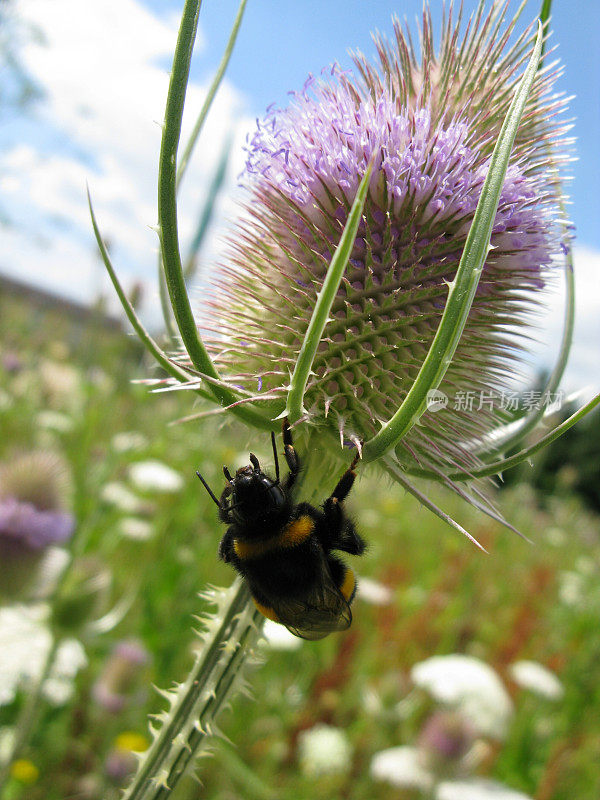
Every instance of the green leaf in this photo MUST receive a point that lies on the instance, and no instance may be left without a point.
(167, 217)
(188, 149)
(152, 347)
(325, 298)
(464, 285)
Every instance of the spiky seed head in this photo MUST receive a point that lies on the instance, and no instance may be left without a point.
(430, 122)
(34, 490)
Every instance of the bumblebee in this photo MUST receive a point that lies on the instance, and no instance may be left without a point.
(284, 550)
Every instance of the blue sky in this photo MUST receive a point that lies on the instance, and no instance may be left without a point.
(103, 68)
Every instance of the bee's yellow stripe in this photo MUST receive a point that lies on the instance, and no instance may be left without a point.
(349, 584)
(266, 611)
(295, 532)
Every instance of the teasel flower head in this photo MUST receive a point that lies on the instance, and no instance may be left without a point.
(428, 123)
(34, 490)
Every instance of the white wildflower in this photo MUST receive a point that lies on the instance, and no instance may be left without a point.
(135, 528)
(571, 589)
(118, 495)
(54, 421)
(537, 678)
(323, 750)
(25, 640)
(154, 476)
(469, 685)
(6, 401)
(61, 384)
(402, 766)
(7, 738)
(277, 637)
(127, 441)
(374, 592)
(477, 789)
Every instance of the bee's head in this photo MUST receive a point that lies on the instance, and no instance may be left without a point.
(255, 497)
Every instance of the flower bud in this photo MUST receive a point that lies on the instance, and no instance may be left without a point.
(83, 596)
(114, 689)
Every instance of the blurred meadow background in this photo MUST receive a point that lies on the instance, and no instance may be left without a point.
(365, 714)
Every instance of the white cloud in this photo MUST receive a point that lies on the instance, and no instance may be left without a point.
(105, 90)
(582, 370)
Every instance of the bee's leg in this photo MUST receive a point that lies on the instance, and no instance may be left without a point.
(226, 547)
(349, 540)
(338, 532)
(345, 483)
(291, 456)
(342, 534)
(222, 505)
(331, 507)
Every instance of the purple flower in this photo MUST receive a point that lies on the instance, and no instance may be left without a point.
(24, 524)
(446, 737)
(429, 123)
(33, 492)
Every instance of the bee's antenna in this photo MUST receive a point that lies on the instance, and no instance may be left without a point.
(208, 489)
(254, 462)
(227, 475)
(275, 457)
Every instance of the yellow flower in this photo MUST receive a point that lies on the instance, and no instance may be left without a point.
(130, 740)
(24, 771)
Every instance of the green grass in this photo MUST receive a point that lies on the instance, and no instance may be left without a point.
(447, 596)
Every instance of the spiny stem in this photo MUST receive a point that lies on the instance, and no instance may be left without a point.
(195, 704)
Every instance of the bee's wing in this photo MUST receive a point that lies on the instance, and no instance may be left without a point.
(322, 611)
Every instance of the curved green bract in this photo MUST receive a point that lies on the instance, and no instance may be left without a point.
(464, 285)
(159, 355)
(188, 149)
(397, 475)
(184, 161)
(320, 316)
(167, 217)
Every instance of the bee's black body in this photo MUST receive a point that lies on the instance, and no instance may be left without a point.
(284, 550)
